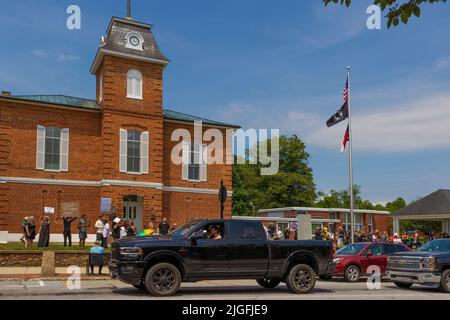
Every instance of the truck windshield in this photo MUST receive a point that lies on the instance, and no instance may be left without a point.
(436, 246)
(184, 229)
(351, 249)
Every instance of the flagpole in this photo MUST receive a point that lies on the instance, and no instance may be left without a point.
(350, 161)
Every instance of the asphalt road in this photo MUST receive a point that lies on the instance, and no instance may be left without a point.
(212, 290)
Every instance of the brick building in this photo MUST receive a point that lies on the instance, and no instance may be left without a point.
(57, 149)
(368, 220)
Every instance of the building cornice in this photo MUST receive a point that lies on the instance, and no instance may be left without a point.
(106, 182)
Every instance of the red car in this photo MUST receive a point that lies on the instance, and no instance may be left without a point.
(353, 260)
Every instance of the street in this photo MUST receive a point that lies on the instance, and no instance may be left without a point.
(211, 290)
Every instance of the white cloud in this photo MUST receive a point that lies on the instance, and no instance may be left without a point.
(414, 126)
(39, 53)
(443, 63)
(67, 57)
(420, 125)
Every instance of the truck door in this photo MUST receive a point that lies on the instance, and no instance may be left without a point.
(207, 257)
(248, 250)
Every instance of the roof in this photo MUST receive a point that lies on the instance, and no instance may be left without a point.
(116, 38)
(89, 104)
(331, 210)
(437, 203)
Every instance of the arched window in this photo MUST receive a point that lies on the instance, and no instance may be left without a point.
(134, 84)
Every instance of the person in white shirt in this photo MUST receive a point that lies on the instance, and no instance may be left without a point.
(99, 228)
(106, 233)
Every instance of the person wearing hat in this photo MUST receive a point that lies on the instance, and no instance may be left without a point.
(396, 238)
(24, 232)
(30, 232)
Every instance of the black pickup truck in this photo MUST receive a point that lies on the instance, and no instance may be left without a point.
(159, 264)
(430, 265)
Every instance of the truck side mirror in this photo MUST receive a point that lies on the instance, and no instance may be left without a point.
(198, 235)
(369, 254)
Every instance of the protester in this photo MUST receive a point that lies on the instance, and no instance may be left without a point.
(123, 229)
(131, 230)
(318, 234)
(24, 233)
(163, 227)
(106, 233)
(67, 232)
(325, 234)
(396, 238)
(174, 227)
(83, 226)
(384, 237)
(340, 238)
(116, 229)
(97, 249)
(99, 228)
(287, 234)
(405, 239)
(44, 233)
(376, 236)
(30, 232)
(416, 240)
(271, 231)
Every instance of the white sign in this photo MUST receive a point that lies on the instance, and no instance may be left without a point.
(49, 210)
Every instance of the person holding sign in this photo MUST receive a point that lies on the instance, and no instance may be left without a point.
(44, 233)
(83, 225)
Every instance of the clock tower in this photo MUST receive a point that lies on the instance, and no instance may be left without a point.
(129, 70)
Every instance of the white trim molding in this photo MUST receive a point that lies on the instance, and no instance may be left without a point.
(331, 210)
(106, 182)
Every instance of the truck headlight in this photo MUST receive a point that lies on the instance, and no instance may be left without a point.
(131, 252)
(428, 263)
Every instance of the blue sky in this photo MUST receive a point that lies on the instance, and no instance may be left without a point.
(270, 64)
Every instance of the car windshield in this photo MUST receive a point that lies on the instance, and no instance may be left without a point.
(351, 249)
(184, 229)
(436, 246)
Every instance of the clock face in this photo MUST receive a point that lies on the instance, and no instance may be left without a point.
(134, 41)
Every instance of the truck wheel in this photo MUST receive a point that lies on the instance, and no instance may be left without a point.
(163, 280)
(352, 274)
(301, 279)
(445, 281)
(269, 283)
(403, 285)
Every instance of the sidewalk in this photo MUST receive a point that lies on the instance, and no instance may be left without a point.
(23, 273)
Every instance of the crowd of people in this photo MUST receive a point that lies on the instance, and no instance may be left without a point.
(106, 230)
(343, 237)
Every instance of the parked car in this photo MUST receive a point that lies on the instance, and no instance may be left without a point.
(430, 265)
(159, 264)
(353, 260)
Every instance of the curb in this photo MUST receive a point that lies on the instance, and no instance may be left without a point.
(65, 292)
(39, 278)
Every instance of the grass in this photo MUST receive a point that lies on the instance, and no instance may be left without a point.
(52, 247)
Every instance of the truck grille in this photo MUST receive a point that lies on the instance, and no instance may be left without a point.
(407, 263)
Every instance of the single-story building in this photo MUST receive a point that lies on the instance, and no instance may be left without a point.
(434, 207)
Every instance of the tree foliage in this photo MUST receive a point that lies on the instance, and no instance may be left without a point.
(397, 10)
(293, 185)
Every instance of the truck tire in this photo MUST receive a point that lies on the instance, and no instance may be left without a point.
(352, 274)
(269, 283)
(301, 279)
(445, 281)
(403, 285)
(163, 280)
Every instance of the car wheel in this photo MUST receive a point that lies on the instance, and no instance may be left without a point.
(327, 277)
(301, 279)
(163, 280)
(403, 285)
(445, 281)
(269, 283)
(140, 287)
(352, 274)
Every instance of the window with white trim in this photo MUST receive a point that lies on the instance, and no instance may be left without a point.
(134, 84)
(133, 151)
(52, 149)
(194, 162)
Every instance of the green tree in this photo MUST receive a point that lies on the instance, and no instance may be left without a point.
(396, 205)
(293, 185)
(397, 10)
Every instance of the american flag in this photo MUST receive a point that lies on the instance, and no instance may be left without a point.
(346, 92)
